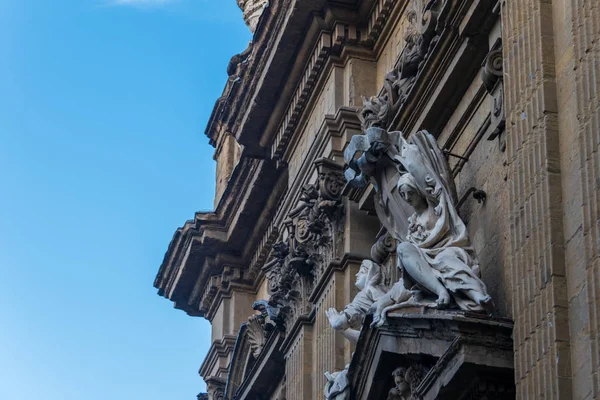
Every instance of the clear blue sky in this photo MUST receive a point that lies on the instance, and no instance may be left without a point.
(102, 156)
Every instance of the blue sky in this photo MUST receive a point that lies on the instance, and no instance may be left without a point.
(103, 107)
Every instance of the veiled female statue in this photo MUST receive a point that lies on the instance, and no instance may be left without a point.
(415, 200)
(370, 285)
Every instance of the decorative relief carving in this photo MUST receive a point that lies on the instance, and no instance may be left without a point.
(338, 385)
(419, 37)
(406, 381)
(310, 242)
(380, 251)
(492, 77)
(229, 275)
(415, 200)
(256, 334)
(218, 394)
(259, 326)
(252, 9)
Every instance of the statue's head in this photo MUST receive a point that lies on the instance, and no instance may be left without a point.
(399, 376)
(409, 191)
(369, 274)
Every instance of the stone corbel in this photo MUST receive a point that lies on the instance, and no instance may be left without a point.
(492, 77)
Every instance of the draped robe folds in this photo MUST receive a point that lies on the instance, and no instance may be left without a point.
(357, 309)
(446, 248)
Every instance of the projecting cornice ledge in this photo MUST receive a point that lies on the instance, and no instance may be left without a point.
(210, 253)
(263, 78)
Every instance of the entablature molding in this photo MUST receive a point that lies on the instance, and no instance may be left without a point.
(276, 76)
(226, 235)
(218, 349)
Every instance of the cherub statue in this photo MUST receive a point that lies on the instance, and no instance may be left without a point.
(349, 321)
(415, 200)
(401, 389)
(406, 381)
(337, 386)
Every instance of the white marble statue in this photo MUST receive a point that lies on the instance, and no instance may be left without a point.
(338, 385)
(415, 200)
(349, 321)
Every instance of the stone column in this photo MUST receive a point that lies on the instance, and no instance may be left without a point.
(577, 46)
(540, 308)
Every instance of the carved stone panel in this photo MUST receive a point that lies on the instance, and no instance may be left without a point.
(311, 239)
(420, 37)
(492, 77)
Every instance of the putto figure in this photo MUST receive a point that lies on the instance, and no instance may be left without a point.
(415, 201)
(349, 321)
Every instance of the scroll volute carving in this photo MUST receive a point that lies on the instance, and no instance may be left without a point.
(492, 77)
(420, 37)
(310, 240)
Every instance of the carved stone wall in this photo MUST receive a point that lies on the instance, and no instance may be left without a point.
(298, 366)
(509, 90)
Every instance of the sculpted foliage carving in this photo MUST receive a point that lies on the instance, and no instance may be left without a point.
(420, 37)
(310, 241)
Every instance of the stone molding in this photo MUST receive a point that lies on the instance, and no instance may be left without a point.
(443, 342)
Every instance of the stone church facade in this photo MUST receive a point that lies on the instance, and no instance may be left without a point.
(323, 117)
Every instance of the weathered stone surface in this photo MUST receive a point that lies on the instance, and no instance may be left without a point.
(523, 74)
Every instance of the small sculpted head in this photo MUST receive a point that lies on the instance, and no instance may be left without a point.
(409, 192)
(362, 275)
(399, 376)
(369, 274)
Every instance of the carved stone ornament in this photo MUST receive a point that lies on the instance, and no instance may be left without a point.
(252, 9)
(256, 334)
(270, 312)
(338, 385)
(218, 394)
(420, 37)
(260, 325)
(406, 381)
(415, 201)
(492, 77)
(311, 240)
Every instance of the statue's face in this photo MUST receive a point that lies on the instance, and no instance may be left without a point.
(361, 276)
(400, 382)
(410, 195)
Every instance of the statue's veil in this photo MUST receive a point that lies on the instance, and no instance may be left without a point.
(436, 182)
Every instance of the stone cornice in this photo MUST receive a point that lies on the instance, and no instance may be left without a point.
(217, 350)
(251, 109)
(214, 241)
(276, 80)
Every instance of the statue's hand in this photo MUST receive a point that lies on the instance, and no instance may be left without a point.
(337, 319)
(377, 309)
